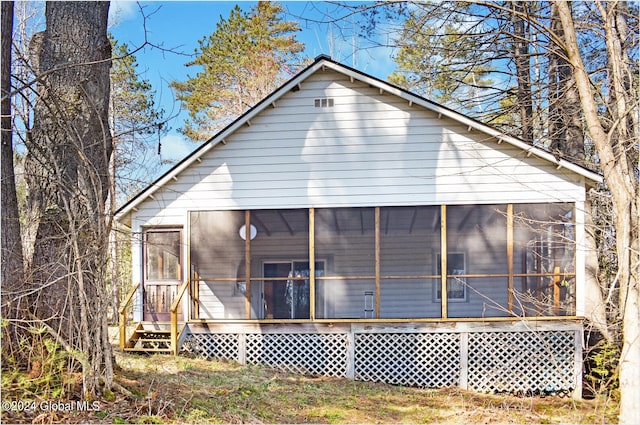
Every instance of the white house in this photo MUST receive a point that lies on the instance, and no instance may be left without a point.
(344, 226)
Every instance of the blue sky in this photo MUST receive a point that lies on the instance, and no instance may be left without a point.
(176, 26)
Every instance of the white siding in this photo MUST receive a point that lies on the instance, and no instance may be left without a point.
(369, 149)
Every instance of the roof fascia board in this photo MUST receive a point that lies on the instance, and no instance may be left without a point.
(470, 122)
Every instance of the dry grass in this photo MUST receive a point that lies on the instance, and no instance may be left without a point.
(179, 390)
(183, 390)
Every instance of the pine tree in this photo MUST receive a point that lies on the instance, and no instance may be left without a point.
(431, 63)
(135, 122)
(248, 56)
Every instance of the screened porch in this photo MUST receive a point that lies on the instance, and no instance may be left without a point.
(383, 263)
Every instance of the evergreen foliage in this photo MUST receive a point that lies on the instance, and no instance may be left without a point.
(431, 63)
(135, 123)
(247, 57)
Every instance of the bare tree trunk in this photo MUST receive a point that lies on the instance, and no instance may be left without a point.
(12, 259)
(595, 305)
(523, 70)
(68, 176)
(565, 118)
(567, 139)
(615, 149)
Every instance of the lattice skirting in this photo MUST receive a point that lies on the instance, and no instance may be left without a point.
(520, 361)
(310, 354)
(313, 354)
(413, 359)
(212, 346)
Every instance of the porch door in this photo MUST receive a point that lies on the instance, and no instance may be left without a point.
(162, 272)
(287, 295)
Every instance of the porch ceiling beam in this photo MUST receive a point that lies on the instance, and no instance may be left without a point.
(436, 221)
(254, 217)
(386, 222)
(466, 218)
(335, 220)
(413, 219)
(286, 223)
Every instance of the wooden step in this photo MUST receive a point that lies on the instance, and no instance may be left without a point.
(148, 350)
(153, 331)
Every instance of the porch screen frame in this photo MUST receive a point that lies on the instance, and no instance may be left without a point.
(443, 278)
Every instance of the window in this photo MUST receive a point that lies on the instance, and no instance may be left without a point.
(456, 286)
(162, 254)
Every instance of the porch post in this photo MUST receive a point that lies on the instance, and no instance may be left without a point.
(242, 348)
(377, 262)
(193, 308)
(312, 264)
(443, 259)
(577, 368)
(464, 360)
(247, 263)
(510, 257)
(579, 280)
(351, 353)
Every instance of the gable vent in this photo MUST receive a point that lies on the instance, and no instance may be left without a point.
(324, 102)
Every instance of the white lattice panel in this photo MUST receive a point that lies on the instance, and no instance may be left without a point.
(208, 346)
(414, 359)
(312, 354)
(521, 361)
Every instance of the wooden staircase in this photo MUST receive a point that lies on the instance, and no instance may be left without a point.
(150, 338)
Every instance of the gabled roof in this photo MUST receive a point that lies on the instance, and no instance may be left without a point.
(325, 62)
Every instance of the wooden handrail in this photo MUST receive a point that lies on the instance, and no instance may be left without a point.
(174, 316)
(123, 315)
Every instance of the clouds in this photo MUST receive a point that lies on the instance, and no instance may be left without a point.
(175, 148)
(121, 11)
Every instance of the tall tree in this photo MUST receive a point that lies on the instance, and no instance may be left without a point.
(522, 61)
(566, 136)
(11, 248)
(535, 90)
(248, 56)
(68, 176)
(616, 141)
(136, 121)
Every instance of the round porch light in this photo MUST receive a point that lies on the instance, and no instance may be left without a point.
(252, 232)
